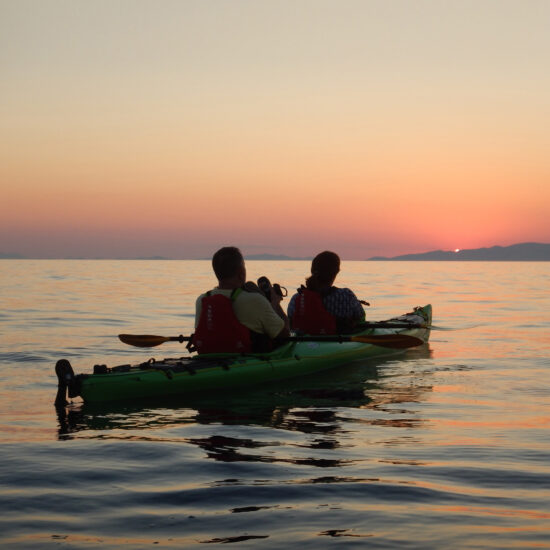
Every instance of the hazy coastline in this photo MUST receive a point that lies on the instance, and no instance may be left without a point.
(521, 252)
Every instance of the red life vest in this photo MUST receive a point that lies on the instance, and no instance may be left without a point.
(219, 330)
(310, 315)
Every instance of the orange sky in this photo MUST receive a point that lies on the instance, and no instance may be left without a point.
(367, 127)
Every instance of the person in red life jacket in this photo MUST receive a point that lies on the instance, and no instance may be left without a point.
(321, 308)
(230, 318)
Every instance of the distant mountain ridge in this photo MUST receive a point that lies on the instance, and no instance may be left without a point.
(522, 252)
(8, 256)
(280, 257)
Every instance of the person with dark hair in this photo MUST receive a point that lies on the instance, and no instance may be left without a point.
(235, 317)
(321, 308)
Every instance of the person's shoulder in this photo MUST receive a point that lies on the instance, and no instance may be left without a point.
(344, 290)
(344, 293)
(298, 292)
(208, 292)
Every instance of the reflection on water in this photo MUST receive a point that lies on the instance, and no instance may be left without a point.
(446, 446)
(309, 405)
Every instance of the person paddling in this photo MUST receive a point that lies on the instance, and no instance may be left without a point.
(321, 308)
(232, 319)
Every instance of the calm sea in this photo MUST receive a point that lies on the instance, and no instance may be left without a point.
(446, 446)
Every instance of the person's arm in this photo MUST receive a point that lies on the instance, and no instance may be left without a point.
(357, 313)
(350, 311)
(198, 308)
(262, 317)
(291, 308)
(276, 300)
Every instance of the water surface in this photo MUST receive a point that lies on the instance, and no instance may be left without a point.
(445, 446)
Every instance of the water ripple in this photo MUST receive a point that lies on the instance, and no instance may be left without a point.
(444, 447)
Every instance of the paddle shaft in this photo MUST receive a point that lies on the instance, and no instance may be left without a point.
(398, 341)
(149, 340)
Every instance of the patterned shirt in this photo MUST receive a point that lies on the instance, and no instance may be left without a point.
(340, 302)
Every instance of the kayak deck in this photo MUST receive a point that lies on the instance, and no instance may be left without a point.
(214, 372)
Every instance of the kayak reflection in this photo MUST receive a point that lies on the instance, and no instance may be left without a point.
(310, 405)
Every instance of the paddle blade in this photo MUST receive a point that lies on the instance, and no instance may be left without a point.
(143, 340)
(397, 341)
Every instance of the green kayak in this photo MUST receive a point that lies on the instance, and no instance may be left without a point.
(215, 372)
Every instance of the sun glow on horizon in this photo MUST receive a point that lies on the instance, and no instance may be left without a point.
(219, 133)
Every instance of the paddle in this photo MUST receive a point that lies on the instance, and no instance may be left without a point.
(397, 341)
(150, 341)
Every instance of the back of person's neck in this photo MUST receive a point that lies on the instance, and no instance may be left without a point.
(324, 289)
(321, 289)
(229, 284)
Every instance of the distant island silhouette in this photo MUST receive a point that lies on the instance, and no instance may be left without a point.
(279, 257)
(522, 252)
(8, 256)
(268, 257)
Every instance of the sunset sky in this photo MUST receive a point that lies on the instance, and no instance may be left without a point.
(369, 127)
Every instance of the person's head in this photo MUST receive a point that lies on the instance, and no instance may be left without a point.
(228, 265)
(324, 268)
